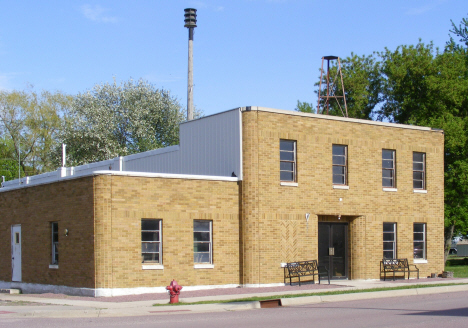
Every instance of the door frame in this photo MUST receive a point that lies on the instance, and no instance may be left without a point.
(16, 265)
(330, 241)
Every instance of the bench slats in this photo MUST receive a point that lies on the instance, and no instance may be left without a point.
(302, 269)
(397, 265)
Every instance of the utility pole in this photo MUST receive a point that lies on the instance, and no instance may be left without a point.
(190, 23)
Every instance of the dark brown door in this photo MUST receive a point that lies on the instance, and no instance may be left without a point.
(333, 248)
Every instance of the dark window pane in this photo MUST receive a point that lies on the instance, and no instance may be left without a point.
(387, 154)
(339, 179)
(418, 254)
(418, 166)
(339, 150)
(149, 236)
(201, 247)
(287, 166)
(287, 145)
(387, 174)
(388, 254)
(418, 157)
(339, 170)
(286, 176)
(388, 183)
(387, 236)
(201, 225)
(417, 184)
(339, 160)
(201, 236)
(149, 247)
(388, 227)
(387, 164)
(201, 257)
(287, 156)
(388, 246)
(418, 227)
(418, 175)
(150, 257)
(149, 224)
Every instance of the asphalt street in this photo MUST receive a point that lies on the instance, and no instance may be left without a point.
(434, 310)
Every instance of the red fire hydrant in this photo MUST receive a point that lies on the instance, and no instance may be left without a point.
(174, 291)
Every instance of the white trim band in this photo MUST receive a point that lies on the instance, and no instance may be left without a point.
(152, 267)
(340, 187)
(203, 266)
(419, 191)
(416, 261)
(390, 189)
(289, 184)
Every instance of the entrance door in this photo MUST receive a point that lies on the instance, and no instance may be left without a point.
(333, 248)
(16, 253)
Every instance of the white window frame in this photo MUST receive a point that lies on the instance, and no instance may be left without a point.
(392, 230)
(421, 238)
(392, 170)
(423, 171)
(340, 165)
(294, 161)
(55, 243)
(210, 243)
(146, 242)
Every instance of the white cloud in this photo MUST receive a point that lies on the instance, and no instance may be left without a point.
(96, 13)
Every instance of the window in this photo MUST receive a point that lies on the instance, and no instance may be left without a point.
(419, 170)
(202, 250)
(151, 241)
(340, 163)
(54, 231)
(389, 241)
(288, 160)
(388, 168)
(419, 241)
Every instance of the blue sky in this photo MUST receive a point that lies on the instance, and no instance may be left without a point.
(246, 52)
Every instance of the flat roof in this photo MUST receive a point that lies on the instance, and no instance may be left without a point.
(338, 118)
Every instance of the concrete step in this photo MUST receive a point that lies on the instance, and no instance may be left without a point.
(10, 291)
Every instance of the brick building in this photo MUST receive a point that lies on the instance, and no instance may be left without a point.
(244, 192)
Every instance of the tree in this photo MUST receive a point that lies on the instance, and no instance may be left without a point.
(305, 107)
(29, 124)
(423, 86)
(119, 119)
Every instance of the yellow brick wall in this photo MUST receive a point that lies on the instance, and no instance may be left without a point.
(121, 203)
(70, 203)
(270, 210)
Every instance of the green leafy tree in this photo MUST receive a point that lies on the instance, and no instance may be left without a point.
(120, 119)
(29, 125)
(305, 107)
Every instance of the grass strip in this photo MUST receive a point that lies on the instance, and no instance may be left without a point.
(335, 292)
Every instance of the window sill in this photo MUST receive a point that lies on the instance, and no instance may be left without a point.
(289, 184)
(341, 187)
(390, 189)
(152, 267)
(203, 266)
(420, 191)
(417, 261)
(53, 266)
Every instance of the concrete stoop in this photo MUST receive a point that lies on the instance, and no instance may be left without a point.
(10, 291)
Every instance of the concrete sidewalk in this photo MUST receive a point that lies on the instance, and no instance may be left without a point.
(54, 306)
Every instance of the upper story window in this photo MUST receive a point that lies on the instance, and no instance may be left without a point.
(388, 168)
(288, 160)
(419, 170)
(340, 164)
(151, 241)
(54, 232)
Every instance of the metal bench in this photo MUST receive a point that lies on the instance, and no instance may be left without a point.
(397, 265)
(304, 269)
